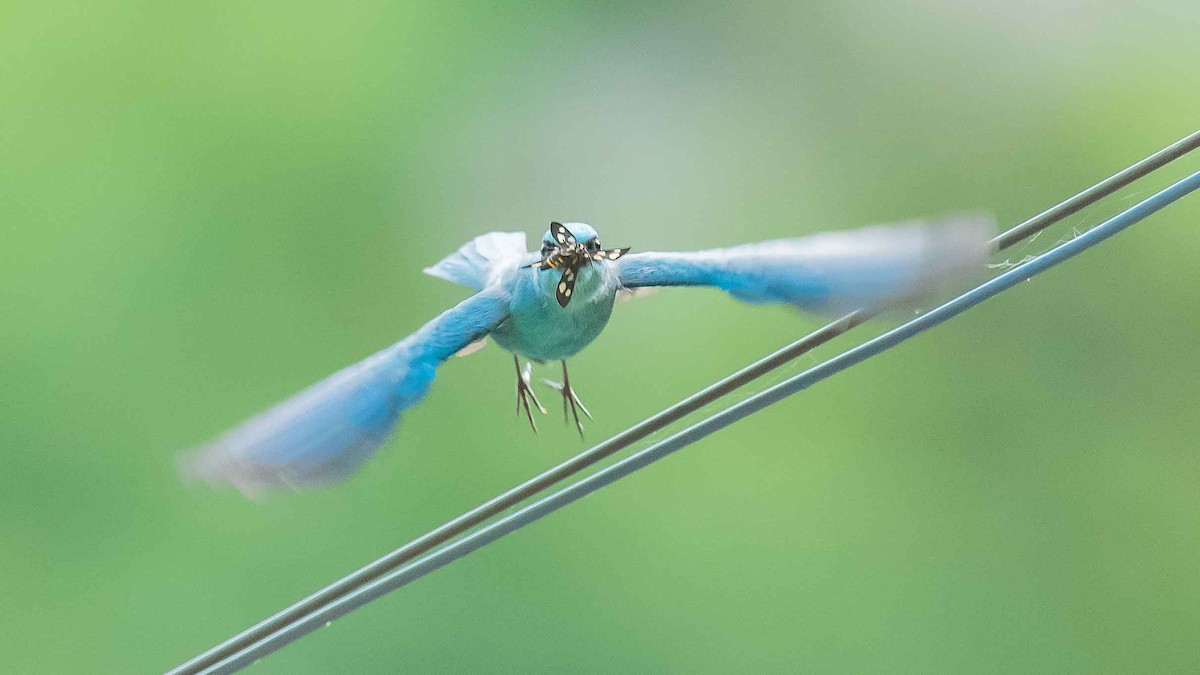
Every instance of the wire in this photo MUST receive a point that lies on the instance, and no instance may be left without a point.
(391, 571)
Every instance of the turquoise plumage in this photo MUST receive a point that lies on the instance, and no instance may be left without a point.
(547, 305)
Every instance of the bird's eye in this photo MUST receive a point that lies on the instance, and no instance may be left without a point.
(547, 249)
(594, 245)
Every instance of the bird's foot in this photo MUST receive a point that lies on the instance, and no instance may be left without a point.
(571, 401)
(525, 394)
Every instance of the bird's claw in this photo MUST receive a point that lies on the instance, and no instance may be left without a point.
(525, 394)
(571, 393)
(571, 402)
(525, 376)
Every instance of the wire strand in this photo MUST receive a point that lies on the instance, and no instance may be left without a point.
(391, 571)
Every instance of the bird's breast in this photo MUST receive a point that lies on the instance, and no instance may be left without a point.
(538, 328)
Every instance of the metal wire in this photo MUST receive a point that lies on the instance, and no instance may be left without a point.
(391, 571)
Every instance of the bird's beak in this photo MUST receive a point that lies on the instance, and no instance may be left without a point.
(573, 257)
(569, 256)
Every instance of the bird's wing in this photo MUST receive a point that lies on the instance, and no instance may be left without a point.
(482, 259)
(830, 272)
(325, 432)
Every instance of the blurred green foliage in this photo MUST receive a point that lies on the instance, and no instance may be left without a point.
(206, 206)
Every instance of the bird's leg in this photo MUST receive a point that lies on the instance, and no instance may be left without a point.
(570, 400)
(525, 392)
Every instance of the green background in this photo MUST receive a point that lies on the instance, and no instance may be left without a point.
(206, 206)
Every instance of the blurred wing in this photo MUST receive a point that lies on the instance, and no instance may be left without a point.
(482, 259)
(325, 432)
(828, 272)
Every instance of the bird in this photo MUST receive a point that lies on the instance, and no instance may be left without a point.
(546, 306)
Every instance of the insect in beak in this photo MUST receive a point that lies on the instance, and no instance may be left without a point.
(570, 256)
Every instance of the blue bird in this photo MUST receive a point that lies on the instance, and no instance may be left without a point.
(549, 304)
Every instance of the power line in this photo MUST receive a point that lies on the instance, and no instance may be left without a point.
(394, 570)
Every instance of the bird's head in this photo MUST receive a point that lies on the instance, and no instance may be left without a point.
(569, 249)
